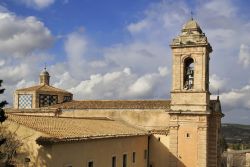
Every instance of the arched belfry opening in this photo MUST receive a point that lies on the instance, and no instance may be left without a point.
(188, 73)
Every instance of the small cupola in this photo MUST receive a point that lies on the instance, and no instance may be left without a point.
(192, 26)
(44, 77)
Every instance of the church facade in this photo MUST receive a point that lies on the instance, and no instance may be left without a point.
(181, 132)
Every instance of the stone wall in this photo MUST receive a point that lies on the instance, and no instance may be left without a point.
(142, 118)
(101, 151)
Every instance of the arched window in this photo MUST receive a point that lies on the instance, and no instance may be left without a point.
(188, 73)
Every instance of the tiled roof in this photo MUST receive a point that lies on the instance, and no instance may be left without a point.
(30, 110)
(61, 129)
(114, 104)
(43, 88)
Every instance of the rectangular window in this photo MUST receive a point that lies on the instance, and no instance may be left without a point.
(113, 161)
(133, 157)
(47, 100)
(145, 154)
(124, 162)
(90, 164)
(25, 101)
(67, 98)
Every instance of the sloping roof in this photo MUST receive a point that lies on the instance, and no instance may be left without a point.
(61, 129)
(43, 88)
(114, 104)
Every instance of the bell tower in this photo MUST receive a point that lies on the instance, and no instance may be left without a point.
(190, 109)
(190, 76)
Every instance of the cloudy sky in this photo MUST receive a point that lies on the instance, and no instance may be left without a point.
(120, 49)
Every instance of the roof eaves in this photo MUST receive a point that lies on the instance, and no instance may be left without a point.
(54, 140)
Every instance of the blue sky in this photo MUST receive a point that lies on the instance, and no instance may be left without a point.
(120, 49)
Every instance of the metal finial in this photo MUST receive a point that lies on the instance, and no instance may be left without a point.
(45, 66)
(218, 94)
(192, 14)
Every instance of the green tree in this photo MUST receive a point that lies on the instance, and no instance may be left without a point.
(8, 141)
(10, 148)
(2, 113)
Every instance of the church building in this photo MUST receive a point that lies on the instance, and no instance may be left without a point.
(183, 131)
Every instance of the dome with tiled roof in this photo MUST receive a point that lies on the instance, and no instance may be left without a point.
(44, 77)
(41, 95)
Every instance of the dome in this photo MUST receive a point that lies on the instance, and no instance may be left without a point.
(44, 77)
(191, 25)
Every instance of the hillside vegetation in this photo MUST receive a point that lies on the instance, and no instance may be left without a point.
(237, 136)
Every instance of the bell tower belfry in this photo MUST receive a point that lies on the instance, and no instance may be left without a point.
(190, 109)
(190, 76)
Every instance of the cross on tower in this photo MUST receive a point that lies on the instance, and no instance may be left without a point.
(192, 14)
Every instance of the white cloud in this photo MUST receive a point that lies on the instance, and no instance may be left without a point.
(104, 86)
(37, 4)
(75, 45)
(237, 98)
(81, 61)
(142, 86)
(98, 64)
(147, 85)
(24, 84)
(160, 20)
(119, 84)
(12, 74)
(23, 41)
(236, 105)
(64, 80)
(2, 62)
(142, 57)
(244, 55)
(137, 27)
(222, 8)
(216, 83)
(223, 37)
(163, 71)
(22, 36)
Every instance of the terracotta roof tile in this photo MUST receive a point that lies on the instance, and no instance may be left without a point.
(67, 129)
(114, 104)
(43, 88)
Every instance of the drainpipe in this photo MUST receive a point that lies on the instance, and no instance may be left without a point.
(148, 151)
